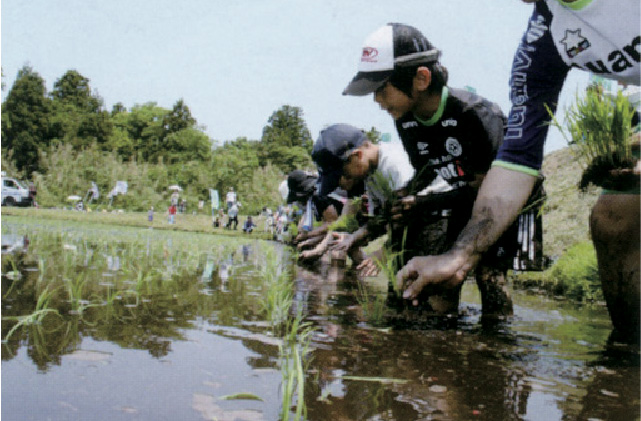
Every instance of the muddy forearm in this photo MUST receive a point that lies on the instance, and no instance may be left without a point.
(501, 197)
(360, 237)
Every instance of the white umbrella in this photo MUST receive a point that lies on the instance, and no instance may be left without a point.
(73, 198)
(175, 187)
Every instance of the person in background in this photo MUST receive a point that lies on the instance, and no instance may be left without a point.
(150, 214)
(172, 213)
(231, 198)
(218, 222)
(232, 216)
(32, 194)
(249, 225)
(269, 220)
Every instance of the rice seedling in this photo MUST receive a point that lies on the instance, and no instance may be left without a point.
(374, 308)
(36, 317)
(278, 284)
(391, 262)
(345, 223)
(294, 361)
(75, 287)
(10, 258)
(293, 351)
(599, 124)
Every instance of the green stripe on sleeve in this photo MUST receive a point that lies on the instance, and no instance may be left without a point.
(516, 167)
(575, 5)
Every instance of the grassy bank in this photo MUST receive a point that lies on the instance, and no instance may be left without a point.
(191, 223)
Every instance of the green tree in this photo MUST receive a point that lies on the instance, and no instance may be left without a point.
(73, 88)
(78, 116)
(121, 140)
(144, 125)
(262, 189)
(188, 144)
(118, 108)
(286, 141)
(25, 119)
(181, 140)
(233, 164)
(178, 119)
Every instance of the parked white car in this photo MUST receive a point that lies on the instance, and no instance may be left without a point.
(14, 193)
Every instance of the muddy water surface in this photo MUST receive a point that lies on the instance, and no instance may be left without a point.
(149, 325)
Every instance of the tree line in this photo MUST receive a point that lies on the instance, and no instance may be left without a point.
(64, 139)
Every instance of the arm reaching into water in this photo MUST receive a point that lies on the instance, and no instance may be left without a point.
(500, 199)
(538, 75)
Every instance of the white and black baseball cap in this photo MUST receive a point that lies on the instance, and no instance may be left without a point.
(386, 49)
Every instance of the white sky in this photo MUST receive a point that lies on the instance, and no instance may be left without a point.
(236, 62)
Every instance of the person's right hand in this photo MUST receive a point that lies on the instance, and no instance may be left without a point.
(310, 238)
(310, 243)
(368, 267)
(342, 242)
(444, 271)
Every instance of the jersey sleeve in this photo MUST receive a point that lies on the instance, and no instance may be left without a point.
(538, 74)
(486, 118)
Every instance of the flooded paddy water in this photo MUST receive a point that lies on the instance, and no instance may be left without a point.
(109, 323)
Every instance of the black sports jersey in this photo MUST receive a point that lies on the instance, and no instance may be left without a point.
(460, 140)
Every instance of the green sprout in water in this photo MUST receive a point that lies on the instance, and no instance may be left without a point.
(36, 317)
(374, 309)
(294, 361)
(296, 333)
(278, 296)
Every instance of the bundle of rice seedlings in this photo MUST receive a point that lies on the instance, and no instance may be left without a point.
(600, 128)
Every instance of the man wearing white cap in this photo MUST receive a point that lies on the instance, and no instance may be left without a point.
(446, 132)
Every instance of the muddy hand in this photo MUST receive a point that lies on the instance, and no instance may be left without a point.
(310, 242)
(433, 271)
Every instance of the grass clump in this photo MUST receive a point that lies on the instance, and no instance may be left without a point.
(577, 274)
(574, 275)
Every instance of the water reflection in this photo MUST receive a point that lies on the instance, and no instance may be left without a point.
(421, 369)
(370, 358)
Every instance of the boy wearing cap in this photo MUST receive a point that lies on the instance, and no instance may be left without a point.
(347, 159)
(446, 132)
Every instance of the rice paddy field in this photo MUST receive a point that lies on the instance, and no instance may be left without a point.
(111, 322)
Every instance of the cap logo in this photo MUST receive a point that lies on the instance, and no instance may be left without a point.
(369, 54)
